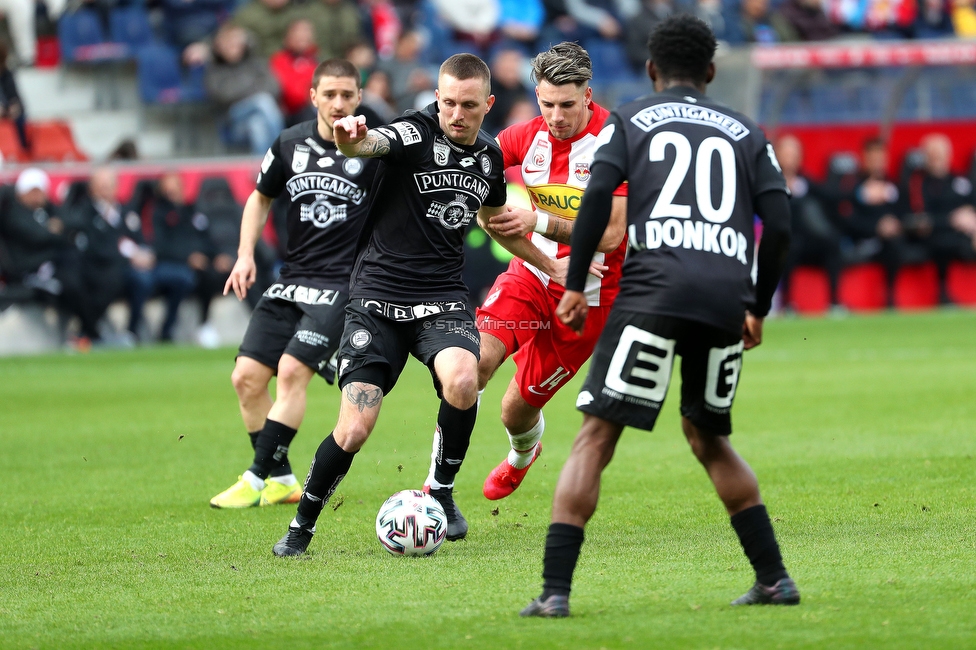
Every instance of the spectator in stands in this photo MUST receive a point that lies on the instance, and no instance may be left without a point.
(378, 97)
(941, 215)
(803, 20)
(125, 150)
(337, 23)
(293, 66)
(363, 56)
(116, 261)
(752, 24)
(241, 83)
(268, 21)
(408, 76)
(710, 12)
(43, 251)
(586, 19)
(190, 21)
(11, 107)
(816, 239)
(642, 24)
(20, 15)
(520, 22)
(521, 111)
(471, 25)
(964, 18)
(934, 19)
(507, 86)
(874, 225)
(183, 248)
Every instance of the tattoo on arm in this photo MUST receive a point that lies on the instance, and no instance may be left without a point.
(374, 145)
(363, 398)
(559, 230)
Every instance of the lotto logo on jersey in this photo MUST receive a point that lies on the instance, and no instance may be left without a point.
(560, 200)
(541, 154)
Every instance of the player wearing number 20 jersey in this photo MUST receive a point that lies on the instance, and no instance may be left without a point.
(698, 172)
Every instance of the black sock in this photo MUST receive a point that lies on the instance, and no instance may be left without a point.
(454, 428)
(756, 535)
(562, 551)
(253, 435)
(328, 468)
(271, 450)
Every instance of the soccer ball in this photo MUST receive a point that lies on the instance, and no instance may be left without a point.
(411, 522)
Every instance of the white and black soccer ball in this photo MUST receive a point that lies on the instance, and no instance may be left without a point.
(412, 523)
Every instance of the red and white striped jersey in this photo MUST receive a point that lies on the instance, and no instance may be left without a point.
(555, 173)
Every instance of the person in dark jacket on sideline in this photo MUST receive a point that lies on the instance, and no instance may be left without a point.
(42, 249)
(116, 261)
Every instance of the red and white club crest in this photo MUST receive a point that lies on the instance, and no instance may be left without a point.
(542, 154)
(582, 172)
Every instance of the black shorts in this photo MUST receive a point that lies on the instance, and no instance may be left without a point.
(310, 333)
(375, 347)
(631, 370)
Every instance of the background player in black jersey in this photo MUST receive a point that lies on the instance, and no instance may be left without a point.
(297, 324)
(704, 171)
(439, 173)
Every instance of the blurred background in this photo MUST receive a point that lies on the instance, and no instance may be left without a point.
(131, 132)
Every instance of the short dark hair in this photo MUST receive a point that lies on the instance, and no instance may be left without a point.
(561, 64)
(336, 68)
(682, 47)
(876, 142)
(466, 66)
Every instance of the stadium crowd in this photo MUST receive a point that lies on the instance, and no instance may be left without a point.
(257, 57)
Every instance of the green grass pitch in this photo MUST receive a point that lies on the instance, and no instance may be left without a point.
(862, 432)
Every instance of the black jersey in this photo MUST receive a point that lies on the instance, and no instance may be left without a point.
(329, 194)
(695, 168)
(428, 190)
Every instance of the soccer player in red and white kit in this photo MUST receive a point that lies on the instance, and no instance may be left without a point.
(518, 317)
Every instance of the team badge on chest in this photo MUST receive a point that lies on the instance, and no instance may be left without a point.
(299, 161)
(542, 154)
(582, 172)
(441, 153)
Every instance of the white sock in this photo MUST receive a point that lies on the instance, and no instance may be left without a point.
(523, 444)
(251, 477)
(287, 479)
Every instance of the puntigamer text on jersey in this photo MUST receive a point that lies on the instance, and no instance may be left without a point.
(661, 114)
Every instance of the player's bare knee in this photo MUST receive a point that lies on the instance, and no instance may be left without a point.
(517, 415)
(351, 434)
(292, 375)
(246, 383)
(461, 391)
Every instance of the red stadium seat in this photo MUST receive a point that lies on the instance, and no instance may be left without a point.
(13, 151)
(809, 290)
(863, 287)
(961, 282)
(917, 287)
(52, 142)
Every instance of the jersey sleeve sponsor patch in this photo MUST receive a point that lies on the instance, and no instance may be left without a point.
(408, 133)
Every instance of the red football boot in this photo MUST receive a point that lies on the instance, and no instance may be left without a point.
(505, 479)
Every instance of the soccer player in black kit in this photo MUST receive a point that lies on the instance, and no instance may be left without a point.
(297, 324)
(438, 173)
(698, 172)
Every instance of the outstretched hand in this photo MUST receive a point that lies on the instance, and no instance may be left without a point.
(351, 129)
